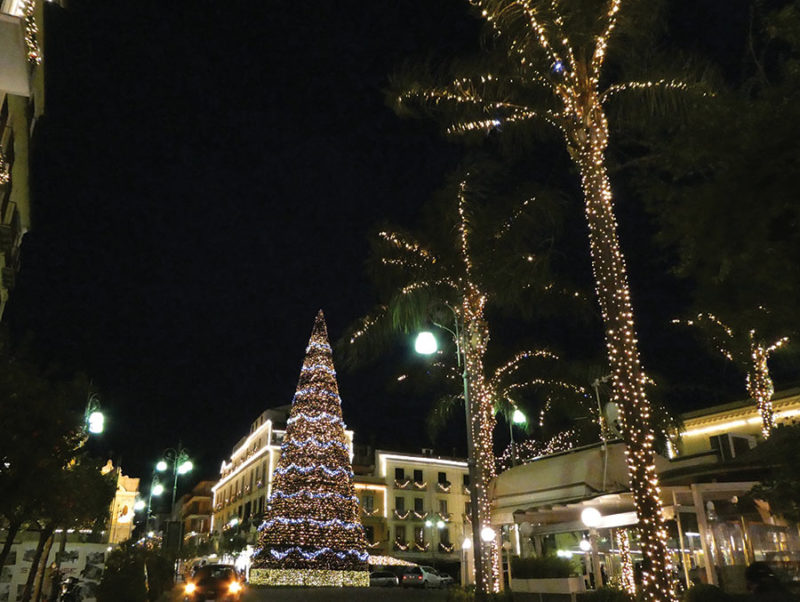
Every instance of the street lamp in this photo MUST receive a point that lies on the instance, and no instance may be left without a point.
(426, 344)
(592, 518)
(93, 417)
(517, 417)
(181, 464)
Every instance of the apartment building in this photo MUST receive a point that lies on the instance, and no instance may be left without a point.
(22, 102)
(195, 512)
(427, 505)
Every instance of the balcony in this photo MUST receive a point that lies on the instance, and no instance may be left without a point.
(402, 483)
(14, 78)
(444, 487)
(420, 485)
(446, 548)
(401, 514)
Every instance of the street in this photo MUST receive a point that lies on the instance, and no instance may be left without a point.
(333, 594)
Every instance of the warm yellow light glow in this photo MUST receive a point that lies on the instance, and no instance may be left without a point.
(190, 588)
(235, 587)
(591, 517)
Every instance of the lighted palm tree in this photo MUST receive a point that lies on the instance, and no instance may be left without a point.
(750, 351)
(549, 69)
(459, 269)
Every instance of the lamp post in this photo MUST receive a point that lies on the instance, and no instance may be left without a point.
(181, 464)
(517, 417)
(439, 525)
(592, 518)
(426, 344)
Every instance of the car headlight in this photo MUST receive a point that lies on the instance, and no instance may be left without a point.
(190, 587)
(235, 587)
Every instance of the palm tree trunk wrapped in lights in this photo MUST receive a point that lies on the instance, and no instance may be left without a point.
(750, 352)
(459, 270)
(549, 65)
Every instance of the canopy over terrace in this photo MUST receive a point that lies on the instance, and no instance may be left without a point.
(700, 496)
(550, 493)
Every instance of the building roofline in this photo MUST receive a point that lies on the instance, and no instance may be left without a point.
(737, 405)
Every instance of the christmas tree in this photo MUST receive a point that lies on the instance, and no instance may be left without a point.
(311, 534)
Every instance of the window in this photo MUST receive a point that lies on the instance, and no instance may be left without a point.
(466, 480)
(399, 474)
(369, 533)
(400, 533)
(467, 509)
(418, 475)
(418, 504)
(444, 536)
(443, 507)
(443, 478)
(369, 502)
(419, 535)
(400, 504)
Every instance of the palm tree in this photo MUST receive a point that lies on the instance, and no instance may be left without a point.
(460, 269)
(750, 351)
(550, 70)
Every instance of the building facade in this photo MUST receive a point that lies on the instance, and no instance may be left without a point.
(413, 506)
(22, 102)
(195, 512)
(715, 529)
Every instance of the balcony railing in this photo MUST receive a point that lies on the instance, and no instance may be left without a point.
(444, 487)
(402, 483)
(421, 485)
(447, 548)
(401, 514)
(400, 546)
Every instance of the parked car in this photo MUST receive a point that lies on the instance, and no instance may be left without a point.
(213, 582)
(447, 580)
(421, 576)
(383, 579)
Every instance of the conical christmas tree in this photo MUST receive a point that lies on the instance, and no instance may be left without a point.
(311, 534)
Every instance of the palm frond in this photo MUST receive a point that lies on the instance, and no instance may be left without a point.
(442, 413)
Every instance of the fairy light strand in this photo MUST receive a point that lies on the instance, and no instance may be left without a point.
(538, 44)
(751, 352)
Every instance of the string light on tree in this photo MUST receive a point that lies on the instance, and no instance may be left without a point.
(312, 534)
(544, 63)
(750, 352)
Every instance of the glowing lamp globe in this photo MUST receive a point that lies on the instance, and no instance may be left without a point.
(139, 505)
(185, 467)
(440, 524)
(585, 545)
(518, 417)
(161, 466)
(466, 544)
(591, 517)
(158, 489)
(425, 343)
(428, 523)
(96, 422)
(487, 534)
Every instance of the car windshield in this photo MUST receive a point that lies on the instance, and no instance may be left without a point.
(214, 573)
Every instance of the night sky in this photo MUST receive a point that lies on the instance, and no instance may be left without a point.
(206, 178)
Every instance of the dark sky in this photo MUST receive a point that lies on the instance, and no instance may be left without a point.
(206, 177)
